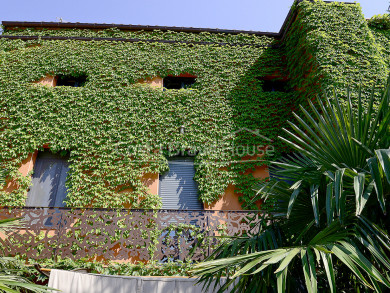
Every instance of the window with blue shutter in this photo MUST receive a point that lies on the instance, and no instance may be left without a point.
(177, 188)
(48, 181)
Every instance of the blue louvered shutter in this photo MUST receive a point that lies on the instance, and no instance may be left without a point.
(48, 181)
(177, 188)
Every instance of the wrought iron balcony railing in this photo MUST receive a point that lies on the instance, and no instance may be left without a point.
(126, 235)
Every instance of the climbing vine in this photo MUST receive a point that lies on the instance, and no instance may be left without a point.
(118, 130)
(380, 21)
(331, 46)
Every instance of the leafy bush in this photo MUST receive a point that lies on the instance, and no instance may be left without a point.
(177, 268)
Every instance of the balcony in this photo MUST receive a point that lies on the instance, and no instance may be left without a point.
(121, 235)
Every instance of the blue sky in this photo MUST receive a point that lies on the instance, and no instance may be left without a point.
(260, 15)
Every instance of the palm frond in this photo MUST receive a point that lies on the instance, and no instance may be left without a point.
(325, 230)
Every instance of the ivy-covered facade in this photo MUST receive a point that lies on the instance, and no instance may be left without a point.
(121, 126)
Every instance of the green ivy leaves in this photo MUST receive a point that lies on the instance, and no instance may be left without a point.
(112, 109)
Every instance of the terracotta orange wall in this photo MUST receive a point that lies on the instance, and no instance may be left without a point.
(28, 164)
(156, 82)
(152, 182)
(26, 167)
(229, 201)
(49, 80)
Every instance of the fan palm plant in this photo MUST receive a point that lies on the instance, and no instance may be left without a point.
(10, 281)
(325, 225)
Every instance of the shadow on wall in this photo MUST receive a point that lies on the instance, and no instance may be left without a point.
(262, 102)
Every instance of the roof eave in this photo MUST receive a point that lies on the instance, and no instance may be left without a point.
(125, 27)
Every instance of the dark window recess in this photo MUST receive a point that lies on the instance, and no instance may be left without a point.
(175, 82)
(178, 189)
(270, 85)
(69, 80)
(48, 181)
